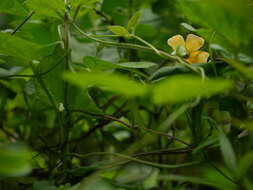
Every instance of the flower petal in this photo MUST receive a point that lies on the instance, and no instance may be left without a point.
(198, 57)
(176, 41)
(194, 43)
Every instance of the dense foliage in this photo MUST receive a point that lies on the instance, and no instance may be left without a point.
(126, 94)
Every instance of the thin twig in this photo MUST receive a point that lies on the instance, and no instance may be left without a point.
(131, 158)
(22, 23)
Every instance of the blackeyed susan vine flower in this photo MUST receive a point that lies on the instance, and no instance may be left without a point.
(189, 47)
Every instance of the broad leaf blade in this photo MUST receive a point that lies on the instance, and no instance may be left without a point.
(95, 64)
(246, 71)
(244, 164)
(19, 48)
(111, 82)
(47, 8)
(227, 151)
(13, 7)
(185, 87)
(134, 21)
(14, 160)
(119, 30)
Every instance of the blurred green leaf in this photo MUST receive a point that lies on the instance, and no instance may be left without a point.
(137, 65)
(246, 71)
(133, 174)
(83, 2)
(14, 160)
(52, 67)
(95, 183)
(85, 103)
(244, 165)
(116, 10)
(198, 180)
(44, 185)
(47, 8)
(96, 64)
(145, 31)
(227, 151)
(12, 71)
(19, 48)
(134, 21)
(225, 23)
(185, 87)
(12, 7)
(211, 174)
(168, 70)
(112, 82)
(119, 30)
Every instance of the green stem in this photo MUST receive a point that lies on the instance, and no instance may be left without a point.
(65, 128)
(130, 158)
(149, 47)
(146, 43)
(123, 45)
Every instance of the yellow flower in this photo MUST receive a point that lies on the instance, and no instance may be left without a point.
(192, 44)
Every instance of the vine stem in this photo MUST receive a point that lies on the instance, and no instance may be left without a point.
(149, 47)
(146, 43)
(130, 158)
(66, 48)
(67, 115)
(123, 45)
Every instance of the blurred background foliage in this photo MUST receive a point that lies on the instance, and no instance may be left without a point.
(92, 97)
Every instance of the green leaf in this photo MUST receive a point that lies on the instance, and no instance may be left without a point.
(95, 64)
(43, 185)
(224, 22)
(118, 17)
(42, 34)
(244, 165)
(53, 67)
(134, 21)
(137, 65)
(146, 31)
(47, 8)
(19, 48)
(198, 180)
(179, 88)
(168, 70)
(246, 71)
(119, 30)
(207, 143)
(188, 27)
(13, 7)
(95, 183)
(111, 82)
(227, 151)
(11, 71)
(83, 2)
(85, 103)
(14, 160)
